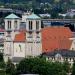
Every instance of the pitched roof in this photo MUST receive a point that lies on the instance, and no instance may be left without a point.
(62, 52)
(56, 38)
(12, 16)
(33, 16)
(21, 37)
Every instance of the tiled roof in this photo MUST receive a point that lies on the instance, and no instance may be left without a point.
(56, 38)
(12, 16)
(62, 52)
(33, 16)
(21, 37)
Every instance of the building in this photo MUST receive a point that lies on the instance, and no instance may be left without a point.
(57, 22)
(2, 40)
(24, 37)
(61, 56)
(19, 43)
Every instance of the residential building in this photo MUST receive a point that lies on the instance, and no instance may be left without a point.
(61, 56)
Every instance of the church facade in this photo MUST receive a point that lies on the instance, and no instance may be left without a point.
(22, 43)
(24, 37)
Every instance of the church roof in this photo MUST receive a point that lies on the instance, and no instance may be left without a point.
(56, 38)
(12, 16)
(52, 38)
(33, 16)
(21, 37)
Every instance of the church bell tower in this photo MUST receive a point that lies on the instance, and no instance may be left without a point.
(33, 35)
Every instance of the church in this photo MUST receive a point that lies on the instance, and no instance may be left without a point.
(24, 37)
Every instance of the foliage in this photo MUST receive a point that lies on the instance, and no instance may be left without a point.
(1, 57)
(10, 68)
(66, 66)
(2, 63)
(40, 66)
(53, 7)
(73, 69)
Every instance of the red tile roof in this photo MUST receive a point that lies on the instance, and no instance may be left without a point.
(52, 38)
(56, 38)
(21, 37)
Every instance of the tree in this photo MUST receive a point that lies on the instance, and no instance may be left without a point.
(66, 66)
(2, 63)
(73, 69)
(10, 68)
(1, 57)
(39, 66)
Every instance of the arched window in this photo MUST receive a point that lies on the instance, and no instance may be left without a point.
(58, 57)
(15, 24)
(9, 24)
(30, 25)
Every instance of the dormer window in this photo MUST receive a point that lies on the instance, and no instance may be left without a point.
(58, 57)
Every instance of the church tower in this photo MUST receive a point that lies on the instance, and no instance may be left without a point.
(12, 25)
(33, 35)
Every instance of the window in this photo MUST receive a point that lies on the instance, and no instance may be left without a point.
(37, 25)
(1, 45)
(30, 25)
(73, 59)
(58, 57)
(15, 24)
(70, 59)
(9, 24)
(66, 58)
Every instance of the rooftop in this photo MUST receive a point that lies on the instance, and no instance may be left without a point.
(33, 16)
(56, 38)
(62, 52)
(21, 37)
(12, 16)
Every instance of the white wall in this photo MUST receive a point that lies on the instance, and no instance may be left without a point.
(17, 51)
(12, 23)
(73, 44)
(33, 49)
